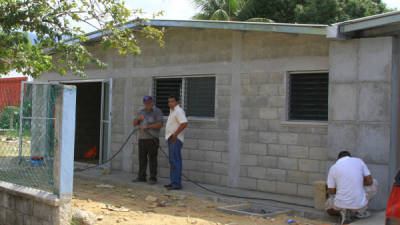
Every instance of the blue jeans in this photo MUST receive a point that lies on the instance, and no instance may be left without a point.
(175, 160)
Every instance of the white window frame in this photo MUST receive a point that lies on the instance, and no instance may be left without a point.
(183, 87)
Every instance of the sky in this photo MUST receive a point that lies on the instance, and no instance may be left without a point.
(184, 9)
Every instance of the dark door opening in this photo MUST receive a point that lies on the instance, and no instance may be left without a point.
(87, 129)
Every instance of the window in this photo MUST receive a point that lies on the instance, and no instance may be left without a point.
(308, 96)
(197, 94)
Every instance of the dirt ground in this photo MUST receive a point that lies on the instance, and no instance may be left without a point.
(124, 205)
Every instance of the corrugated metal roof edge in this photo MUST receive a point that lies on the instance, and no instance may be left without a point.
(369, 22)
(314, 29)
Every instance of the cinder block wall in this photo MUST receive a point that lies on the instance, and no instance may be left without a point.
(267, 153)
(26, 206)
(360, 106)
(273, 155)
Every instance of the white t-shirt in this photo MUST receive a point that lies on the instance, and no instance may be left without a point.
(347, 176)
(175, 119)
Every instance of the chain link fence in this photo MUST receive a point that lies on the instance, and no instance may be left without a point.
(28, 144)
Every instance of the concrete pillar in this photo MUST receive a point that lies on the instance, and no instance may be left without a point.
(64, 153)
(235, 111)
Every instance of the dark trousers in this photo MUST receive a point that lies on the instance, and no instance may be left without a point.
(148, 150)
(175, 159)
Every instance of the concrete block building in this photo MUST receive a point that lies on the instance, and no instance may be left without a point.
(269, 105)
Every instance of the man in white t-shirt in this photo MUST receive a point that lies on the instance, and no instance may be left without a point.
(176, 123)
(351, 187)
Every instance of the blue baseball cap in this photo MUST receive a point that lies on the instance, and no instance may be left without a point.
(147, 99)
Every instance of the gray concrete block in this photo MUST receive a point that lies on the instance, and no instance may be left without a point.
(277, 150)
(213, 156)
(259, 78)
(268, 137)
(288, 163)
(341, 136)
(297, 152)
(11, 216)
(297, 177)
(247, 183)
(288, 138)
(268, 161)
(343, 60)
(250, 90)
(275, 126)
(258, 149)
(268, 113)
(220, 168)
(276, 77)
(318, 153)
(276, 101)
(212, 178)
(42, 211)
(197, 155)
(190, 143)
(371, 49)
(266, 186)
(8, 201)
(313, 177)
(320, 130)
(244, 124)
(381, 174)
(19, 219)
(206, 144)
(374, 143)
(2, 215)
(220, 146)
(249, 136)
(286, 188)
(268, 90)
(343, 102)
(305, 190)
(24, 205)
(275, 174)
(312, 140)
(374, 102)
(309, 165)
(248, 160)
(256, 172)
(196, 176)
(258, 124)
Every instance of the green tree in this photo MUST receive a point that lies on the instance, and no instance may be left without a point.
(218, 9)
(60, 43)
(310, 11)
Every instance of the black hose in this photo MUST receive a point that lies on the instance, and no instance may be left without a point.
(220, 193)
(183, 175)
(111, 158)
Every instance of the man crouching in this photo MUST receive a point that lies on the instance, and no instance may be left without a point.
(351, 187)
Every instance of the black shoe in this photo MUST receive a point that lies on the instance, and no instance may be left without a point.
(138, 180)
(173, 188)
(168, 185)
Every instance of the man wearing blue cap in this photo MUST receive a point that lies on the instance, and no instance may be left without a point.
(150, 119)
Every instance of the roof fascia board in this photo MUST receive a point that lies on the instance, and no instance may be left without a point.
(352, 26)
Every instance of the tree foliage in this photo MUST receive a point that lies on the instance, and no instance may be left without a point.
(60, 42)
(218, 9)
(289, 11)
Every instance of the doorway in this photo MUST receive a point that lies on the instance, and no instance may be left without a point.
(93, 121)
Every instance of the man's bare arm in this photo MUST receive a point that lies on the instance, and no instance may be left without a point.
(156, 126)
(332, 191)
(368, 180)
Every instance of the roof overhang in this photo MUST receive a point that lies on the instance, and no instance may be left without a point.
(312, 29)
(385, 24)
